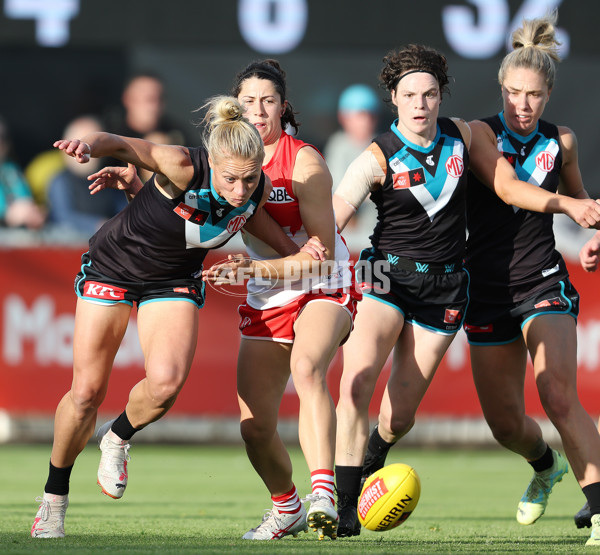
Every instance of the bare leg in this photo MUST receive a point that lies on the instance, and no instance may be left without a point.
(417, 356)
(99, 331)
(499, 376)
(263, 372)
(168, 333)
(319, 331)
(376, 330)
(552, 342)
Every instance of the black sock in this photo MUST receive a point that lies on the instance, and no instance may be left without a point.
(377, 451)
(592, 494)
(544, 462)
(347, 480)
(122, 427)
(58, 480)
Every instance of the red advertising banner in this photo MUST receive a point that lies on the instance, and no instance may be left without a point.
(37, 304)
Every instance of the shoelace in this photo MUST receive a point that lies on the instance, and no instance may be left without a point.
(45, 507)
(114, 450)
(266, 517)
(538, 484)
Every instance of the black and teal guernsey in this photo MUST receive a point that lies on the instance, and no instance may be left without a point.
(157, 238)
(511, 252)
(421, 205)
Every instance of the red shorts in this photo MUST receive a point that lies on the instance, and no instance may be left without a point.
(277, 324)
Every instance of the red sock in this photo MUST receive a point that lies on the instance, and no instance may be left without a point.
(322, 483)
(288, 502)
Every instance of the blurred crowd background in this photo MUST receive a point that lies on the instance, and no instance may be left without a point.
(141, 67)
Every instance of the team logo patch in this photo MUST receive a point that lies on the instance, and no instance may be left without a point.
(544, 161)
(512, 159)
(103, 291)
(455, 166)
(245, 322)
(554, 301)
(404, 180)
(235, 224)
(452, 316)
(479, 329)
(181, 290)
(190, 213)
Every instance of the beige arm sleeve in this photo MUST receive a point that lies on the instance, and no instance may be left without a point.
(364, 172)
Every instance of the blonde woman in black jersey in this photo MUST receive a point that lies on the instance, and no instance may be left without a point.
(151, 254)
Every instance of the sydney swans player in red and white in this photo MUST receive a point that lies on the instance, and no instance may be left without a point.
(293, 327)
(150, 254)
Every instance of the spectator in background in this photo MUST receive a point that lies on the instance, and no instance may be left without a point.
(143, 110)
(70, 204)
(17, 207)
(358, 115)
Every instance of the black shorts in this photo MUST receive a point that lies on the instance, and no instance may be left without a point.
(98, 288)
(434, 297)
(498, 324)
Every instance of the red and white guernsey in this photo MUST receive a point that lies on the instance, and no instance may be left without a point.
(284, 209)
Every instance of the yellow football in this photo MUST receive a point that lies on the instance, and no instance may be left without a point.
(388, 497)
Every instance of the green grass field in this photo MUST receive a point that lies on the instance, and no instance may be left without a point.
(192, 499)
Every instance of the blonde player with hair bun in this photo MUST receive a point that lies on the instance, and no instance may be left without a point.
(150, 254)
(522, 302)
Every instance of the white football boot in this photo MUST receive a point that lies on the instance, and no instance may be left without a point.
(49, 521)
(112, 470)
(322, 516)
(276, 525)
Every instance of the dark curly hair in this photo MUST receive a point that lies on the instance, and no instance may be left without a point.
(410, 58)
(271, 70)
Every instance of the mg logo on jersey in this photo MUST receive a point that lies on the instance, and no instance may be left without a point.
(544, 161)
(279, 195)
(103, 291)
(235, 224)
(455, 166)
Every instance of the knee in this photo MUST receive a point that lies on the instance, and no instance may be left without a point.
(356, 392)
(87, 396)
(399, 424)
(306, 373)
(257, 432)
(164, 390)
(558, 401)
(506, 430)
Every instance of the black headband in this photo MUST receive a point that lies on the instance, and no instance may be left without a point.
(415, 71)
